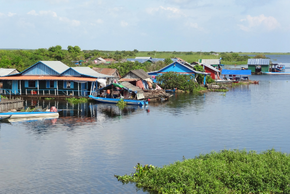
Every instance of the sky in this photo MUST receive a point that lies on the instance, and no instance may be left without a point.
(147, 25)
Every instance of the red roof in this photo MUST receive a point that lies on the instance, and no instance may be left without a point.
(38, 77)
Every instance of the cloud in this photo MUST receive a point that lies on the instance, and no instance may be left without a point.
(10, 14)
(34, 13)
(270, 23)
(124, 24)
(54, 15)
(170, 11)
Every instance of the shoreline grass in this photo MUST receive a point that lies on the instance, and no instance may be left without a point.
(228, 171)
(77, 100)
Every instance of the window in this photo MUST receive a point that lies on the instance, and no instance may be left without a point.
(68, 84)
(51, 84)
(31, 84)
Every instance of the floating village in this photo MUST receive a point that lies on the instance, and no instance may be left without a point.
(54, 79)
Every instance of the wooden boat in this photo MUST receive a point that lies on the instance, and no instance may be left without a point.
(17, 115)
(116, 100)
(4, 117)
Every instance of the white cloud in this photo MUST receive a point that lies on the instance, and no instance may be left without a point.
(11, 14)
(124, 24)
(170, 11)
(270, 23)
(70, 22)
(51, 13)
(54, 15)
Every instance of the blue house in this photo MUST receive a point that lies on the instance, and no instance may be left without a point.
(48, 78)
(179, 68)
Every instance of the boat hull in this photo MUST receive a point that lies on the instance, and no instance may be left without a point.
(116, 100)
(16, 115)
(277, 73)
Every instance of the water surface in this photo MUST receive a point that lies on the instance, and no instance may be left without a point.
(82, 150)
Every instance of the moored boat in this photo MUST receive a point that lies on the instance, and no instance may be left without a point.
(116, 100)
(16, 115)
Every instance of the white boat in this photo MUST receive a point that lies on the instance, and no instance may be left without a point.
(17, 115)
(277, 73)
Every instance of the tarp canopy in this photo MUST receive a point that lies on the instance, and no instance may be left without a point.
(236, 72)
(112, 85)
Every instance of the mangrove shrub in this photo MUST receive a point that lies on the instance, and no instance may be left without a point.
(172, 80)
(229, 171)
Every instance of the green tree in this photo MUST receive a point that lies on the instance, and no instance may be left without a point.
(168, 61)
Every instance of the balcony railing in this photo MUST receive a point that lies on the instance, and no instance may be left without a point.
(44, 92)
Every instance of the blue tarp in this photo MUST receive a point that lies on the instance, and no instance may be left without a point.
(236, 72)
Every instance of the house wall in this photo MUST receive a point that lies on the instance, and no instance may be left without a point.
(252, 68)
(40, 69)
(212, 72)
(264, 68)
(71, 72)
(176, 67)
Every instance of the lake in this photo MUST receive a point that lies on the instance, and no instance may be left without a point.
(82, 150)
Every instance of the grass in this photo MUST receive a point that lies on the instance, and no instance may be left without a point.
(77, 100)
(219, 90)
(240, 83)
(122, 104)
(228, 171)
(49, 98)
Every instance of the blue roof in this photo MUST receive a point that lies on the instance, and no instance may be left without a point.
(157, 59)
(139, 60)
(177, 67)
(258, 61)
(236, 72)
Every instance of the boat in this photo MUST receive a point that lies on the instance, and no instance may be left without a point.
(170, 91)
(116, 100)
(17, 115)
(4, 117)
(276, 73)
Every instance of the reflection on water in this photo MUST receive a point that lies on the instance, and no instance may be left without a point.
(82, 150)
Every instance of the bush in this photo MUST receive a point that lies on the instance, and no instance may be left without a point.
(172, 80)
(229, 171)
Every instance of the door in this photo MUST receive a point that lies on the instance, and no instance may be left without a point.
(83, 89)
(15, 87)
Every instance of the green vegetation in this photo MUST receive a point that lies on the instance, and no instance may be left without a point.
(172, 80)
(22, 59)
(121, 104)
(240, 83)
(49, 98)
(219, 90)
(28, 110)
(77, 100)
(228, 171)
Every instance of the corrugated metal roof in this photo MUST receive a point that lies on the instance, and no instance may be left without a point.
(210, 61)
(139, 60)
(37, 77)
(87, 71)
(106, 71)
(57, 66)
(140, 73)
(143, 58)
(157, 59)
(191, 69)
(132, 87)
(128, 79)
(258, 61)
(211, 67)
(4, 71)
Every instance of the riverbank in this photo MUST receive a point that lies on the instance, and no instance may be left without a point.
(228, 171)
